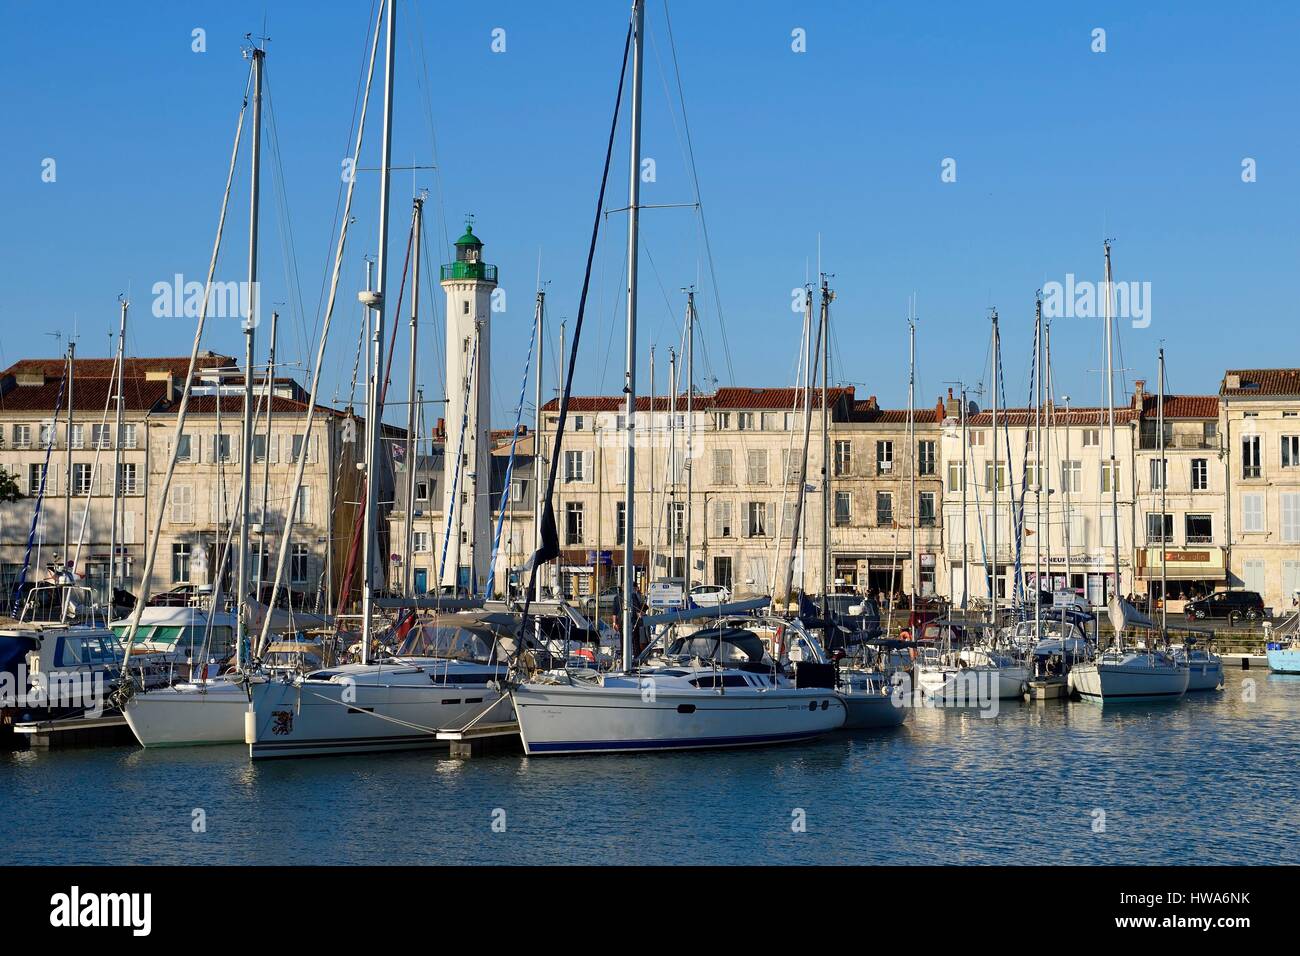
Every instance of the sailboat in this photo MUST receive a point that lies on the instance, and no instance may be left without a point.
(709, 689)
(1118, 674)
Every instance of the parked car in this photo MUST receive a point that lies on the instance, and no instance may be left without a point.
(1232, 605)
(710, 595)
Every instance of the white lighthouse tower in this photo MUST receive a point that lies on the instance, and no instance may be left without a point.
(467, 463)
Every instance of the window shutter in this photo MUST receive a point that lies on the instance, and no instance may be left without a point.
(588, 474)
(273, 449)
(312, 450)
(744, 519)
(128, 527)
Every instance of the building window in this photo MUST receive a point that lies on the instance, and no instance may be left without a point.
(1199, 528)
(722, 470)
(574, 466)
(925, 460)
(956, 476)
(1001, 476)
(182, 499)
(1200, 474)
(1250, 463)
(304, 504)
(722, 526)
(756, 519)
(676, 522)
(925, 509)
(756, 466)
(180, 563)
(184, 449)
(421, 491)
(1091, 437)
(843, 507)
(296, 448)
(78, 436)
(1158, 467)
(722, 421)
(620, 522)
(573, 522)
(48, 439)
(259, 448)
(745, 421)
(518, 489)
(843, 458)
(100, 436)
(1291, 451)
(1072, 476)
(22, 436)
(1252, 512)
(420, 542)
(126, 478)
(1160, 528)
(1109, 472)
(884, 457)
(128, 436)
(975, 437)
(770, 422)
(35, 473)
(579, 423)
(221, 447)
(298, 564)
(884, 508)
(1290, 517)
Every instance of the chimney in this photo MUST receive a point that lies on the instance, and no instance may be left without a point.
(951, 408)
(1139, 393)
(163, 376)
(1232, 380)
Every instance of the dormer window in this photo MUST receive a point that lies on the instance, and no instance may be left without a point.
(464, 307)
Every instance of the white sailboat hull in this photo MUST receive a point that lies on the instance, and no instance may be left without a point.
(1134, 678)
(313, 718)
(970, 686)
(574, 719)
(188, 715)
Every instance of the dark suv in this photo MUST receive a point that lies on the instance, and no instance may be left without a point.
(1233, 605)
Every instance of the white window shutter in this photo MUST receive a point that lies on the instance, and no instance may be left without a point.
(745, 519)
(128, 527)
(588, 473)
(273, 449)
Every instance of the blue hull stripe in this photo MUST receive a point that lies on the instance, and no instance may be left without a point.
(673, 743)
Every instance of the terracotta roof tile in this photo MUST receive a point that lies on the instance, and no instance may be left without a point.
(88, 395)
(1262, 381)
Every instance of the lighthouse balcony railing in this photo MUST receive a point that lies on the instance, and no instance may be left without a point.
(469, 270)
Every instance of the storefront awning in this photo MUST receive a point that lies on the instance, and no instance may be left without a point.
(1183, 564)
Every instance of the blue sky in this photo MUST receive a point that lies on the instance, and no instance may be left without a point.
(1055, 146)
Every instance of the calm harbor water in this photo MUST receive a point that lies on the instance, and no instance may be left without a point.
(1212, 779)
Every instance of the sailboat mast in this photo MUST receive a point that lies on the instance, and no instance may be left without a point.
(1164, 484)
(690, 429)
(408, 546)
(672, 463)
(250, 332)
(911, 444)
(117, 457)
(652, 555)
(377, 305)
(1110, 407)
(965, 477)
(67, 472)
(827, 295)
(1038, 468)
(797, 529)
(538, 446)
(633, 224)
(993, 580)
